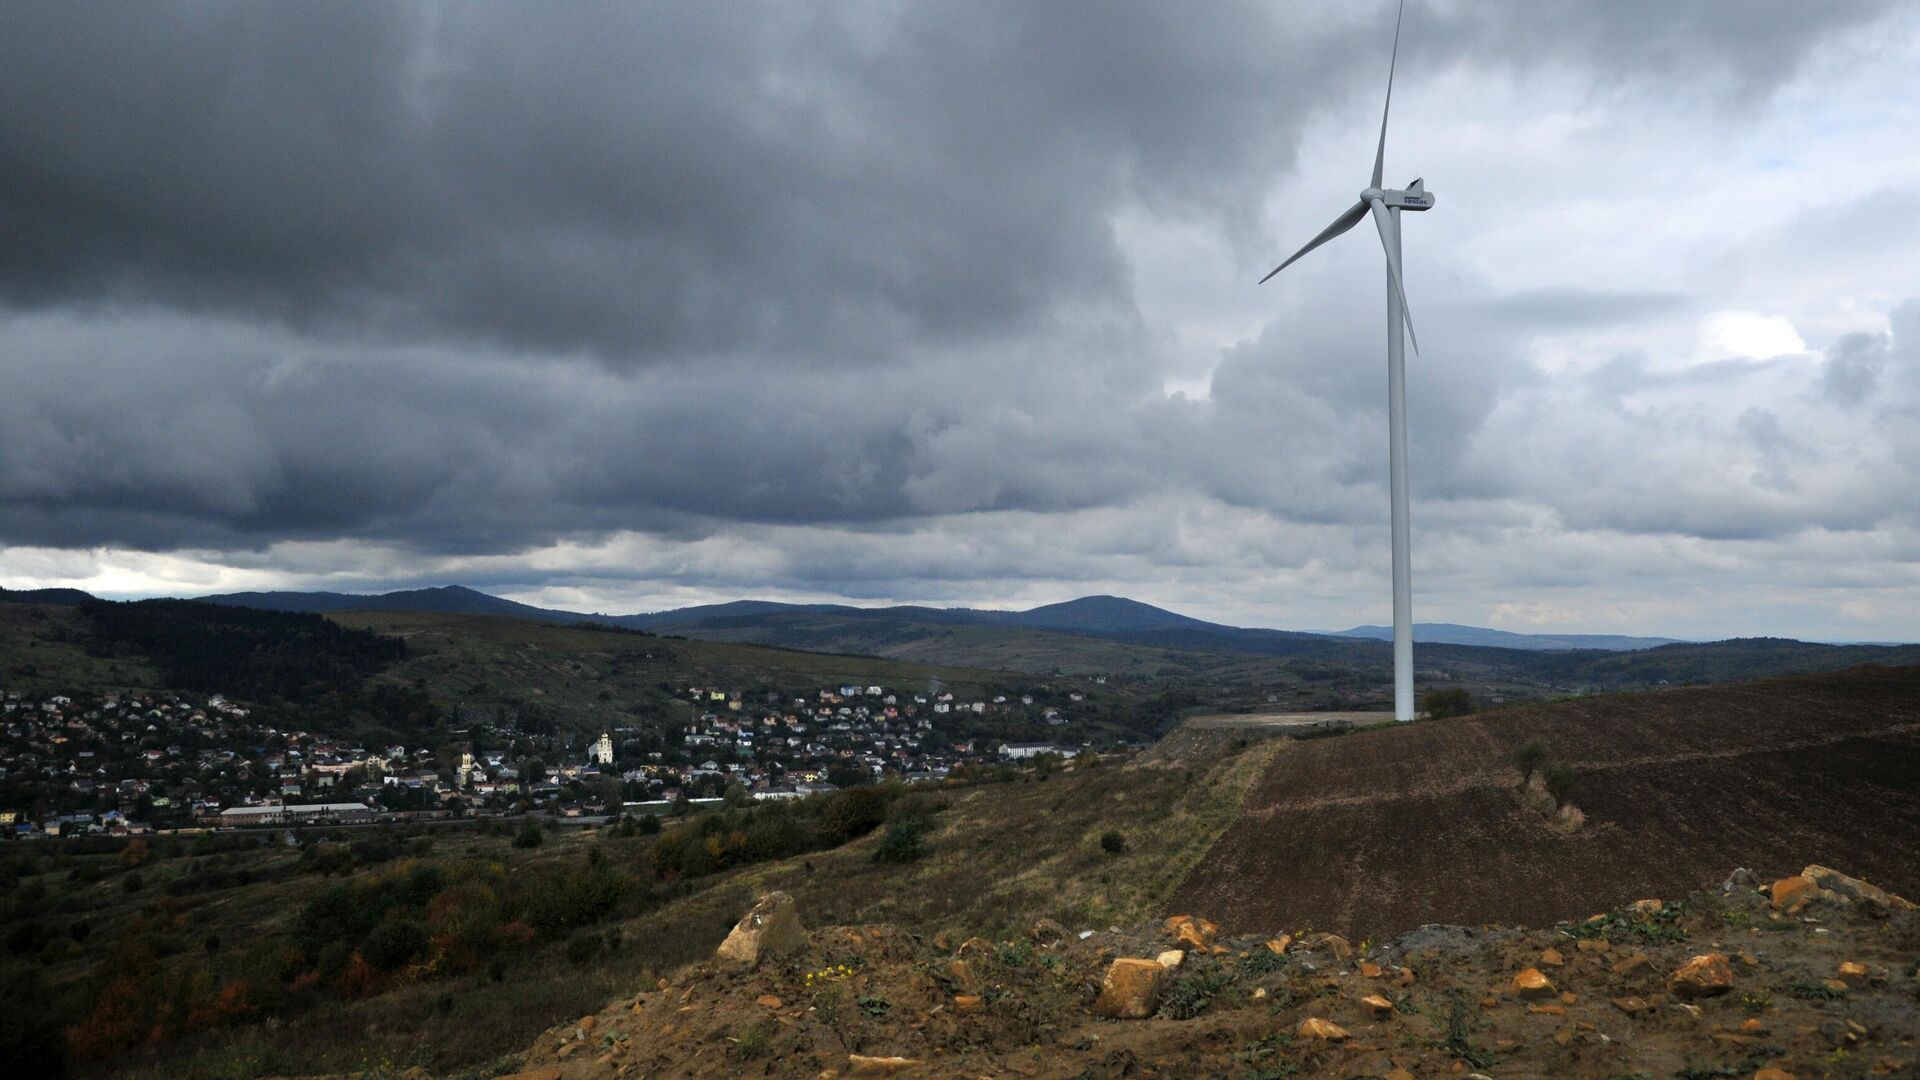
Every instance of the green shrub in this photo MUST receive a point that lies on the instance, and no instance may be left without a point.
(1560, 781)
(529, 836)
(1113, 843)
(394, 943)
(1529, 756)
(903, 842)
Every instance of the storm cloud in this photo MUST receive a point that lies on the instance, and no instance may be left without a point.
(618, 305)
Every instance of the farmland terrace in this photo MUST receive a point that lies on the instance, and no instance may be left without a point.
(1381, 831)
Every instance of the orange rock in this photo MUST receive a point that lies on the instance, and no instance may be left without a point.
(1192, 930)
(960, 974)
(968, 1004)
(1569, 998)
(1749, 959)
(1531, 984)
(1403, 977)
(1702, 976)
(1131, 988)
(1172, 958)
(1645, 909)
(1398, 1074)
(1551, 958)
(1279, 945)
(1771, 1073)
(1370, 970)
(1851, 973)
(768, 1000)
(1547, 1010)
(1631, 1005)
(1380, 1005)
(1593, 945)
(1752, 1026)
(1793, 893)
(862, 1065)
(1632, 964)
(1219, 950)
(1315, 1028)
(1837, 986)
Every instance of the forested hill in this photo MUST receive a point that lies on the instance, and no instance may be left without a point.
(304, 665)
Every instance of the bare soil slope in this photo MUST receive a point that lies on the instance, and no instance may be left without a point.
(1381, 831)
(1447, 1005)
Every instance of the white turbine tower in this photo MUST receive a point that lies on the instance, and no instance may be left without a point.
(1385, 205)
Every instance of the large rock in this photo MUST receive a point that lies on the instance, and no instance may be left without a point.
(771, 928)
(1854, 889)
(1192, 930)
(1702, 976)
(1531, 984)
(1131, 989)
(1790, 894)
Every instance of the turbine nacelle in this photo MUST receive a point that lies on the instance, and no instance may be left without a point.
(1414, 197)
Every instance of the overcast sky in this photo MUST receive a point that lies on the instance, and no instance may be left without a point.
(629, 306)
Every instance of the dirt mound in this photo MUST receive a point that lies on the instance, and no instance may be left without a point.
(1378, 832)
(1832, 987)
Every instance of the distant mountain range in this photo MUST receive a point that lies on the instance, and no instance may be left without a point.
(1106, 616)
(1116, 636)
(1096, 615)
(1441, 633)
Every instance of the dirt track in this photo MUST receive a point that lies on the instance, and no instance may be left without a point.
(1377, 832)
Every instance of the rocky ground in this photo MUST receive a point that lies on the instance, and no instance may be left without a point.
(1812, 976)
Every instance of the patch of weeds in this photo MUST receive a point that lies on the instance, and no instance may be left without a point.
(826, 1003)
(753, 1042)
(1755, 1000)
(1630, 1076)
(1283, 998)
(1052, 963)
(1262, 961)
(1815, 992)
(1707, 1072)
(875, 1007)
(1190, 996)
(1457, 1041)
(1013, 954)
(1737, 919)
(1402, 1001)
(1263, 1059)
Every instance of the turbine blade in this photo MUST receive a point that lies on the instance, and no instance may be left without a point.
(1380, 153)
(1340, 224)
(1384, 223)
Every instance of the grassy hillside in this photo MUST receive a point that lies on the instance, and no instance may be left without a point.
(585, 677)
(44, 649)
(1384, 830)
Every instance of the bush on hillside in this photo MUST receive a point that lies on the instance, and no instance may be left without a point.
(903, 842)
(1446, 702)
(1529, 756)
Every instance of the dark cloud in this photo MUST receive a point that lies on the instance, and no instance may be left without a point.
(822, 297)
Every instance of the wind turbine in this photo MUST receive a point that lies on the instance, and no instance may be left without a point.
(1385, 204)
